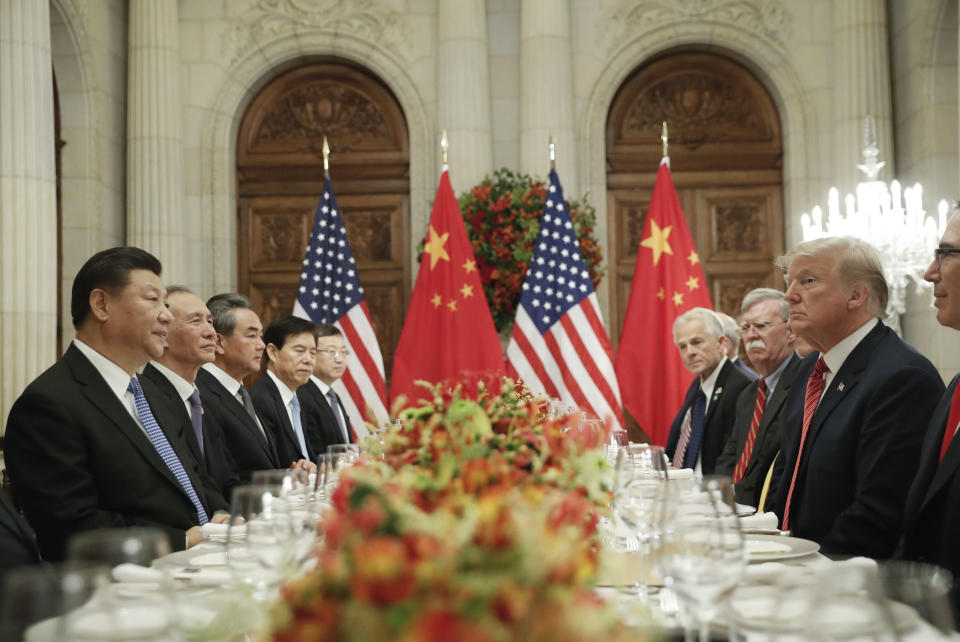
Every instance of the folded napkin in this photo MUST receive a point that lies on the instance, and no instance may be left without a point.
(216, 530)
(136, 573)
(759, 522)
(680, 473)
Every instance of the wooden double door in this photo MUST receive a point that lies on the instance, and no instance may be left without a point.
(726, 163)
(280, 181)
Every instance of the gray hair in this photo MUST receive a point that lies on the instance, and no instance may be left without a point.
(222, 308)
(711, 322)
(757, 295)
(178, 289)
(856, 263)
(731, 331)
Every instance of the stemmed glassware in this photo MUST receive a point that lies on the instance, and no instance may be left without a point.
(703, 555)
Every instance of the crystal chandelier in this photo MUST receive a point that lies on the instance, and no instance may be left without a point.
(891, 220)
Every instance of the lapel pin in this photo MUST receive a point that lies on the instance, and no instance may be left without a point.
(840, 387)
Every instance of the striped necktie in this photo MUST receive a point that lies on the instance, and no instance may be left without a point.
(810, 402)
(752, 435)
(163, 447)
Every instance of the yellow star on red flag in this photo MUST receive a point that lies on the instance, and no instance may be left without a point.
(434, 247)
(694, 258)
(657, 241)
(470, 266)
(661, 293)
(466, 290)
(452, 305)
(436, 300)
(677, 298)
(693, 283)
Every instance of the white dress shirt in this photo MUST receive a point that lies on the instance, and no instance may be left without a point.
(115, 377)
(184, 388)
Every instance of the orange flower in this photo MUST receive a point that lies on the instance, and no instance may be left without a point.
(382, 572)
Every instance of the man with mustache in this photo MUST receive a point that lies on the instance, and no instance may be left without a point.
(932, 519)
(192, 342)
(89, 444)
(755, 439)
(702, 426)
(851, 445)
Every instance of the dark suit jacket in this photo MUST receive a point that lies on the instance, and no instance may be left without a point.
(718, 422)
(214, 459)
(249, 449)
(319, 422)
(862, 447)
(18, 544)
(79, 461)
(931, 529)
(767, 443)
(273, 414)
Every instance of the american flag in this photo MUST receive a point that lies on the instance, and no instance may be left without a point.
(330, 292)
(559, 345)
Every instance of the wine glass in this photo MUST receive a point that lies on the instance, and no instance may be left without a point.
(349, 452)
(260, 548)
(116, 546)
(703, 554)
(925, 588)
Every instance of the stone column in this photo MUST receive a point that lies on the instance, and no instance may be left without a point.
(546, 91)
(154, 135)
(463, 88)
(861, 64)
(28, 199)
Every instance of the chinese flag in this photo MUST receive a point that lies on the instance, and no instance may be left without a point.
(667, 281)
(448, 333)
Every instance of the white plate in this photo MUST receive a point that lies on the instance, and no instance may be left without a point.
(767, 548)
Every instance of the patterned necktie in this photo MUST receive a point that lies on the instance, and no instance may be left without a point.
(690, 433)
(196, 416)
(163, 447)
(810, 402)
(335, 407)
(952, 420)
(297, 426)
(752, 435)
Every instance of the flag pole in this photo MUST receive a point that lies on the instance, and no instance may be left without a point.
(665, 139)
(326, 158)
(444, 145)
(553, 153)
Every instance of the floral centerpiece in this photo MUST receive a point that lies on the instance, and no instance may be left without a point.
(476, 521)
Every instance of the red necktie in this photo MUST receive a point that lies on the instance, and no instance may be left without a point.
(810, 402)
(752, 435)
(952, 422)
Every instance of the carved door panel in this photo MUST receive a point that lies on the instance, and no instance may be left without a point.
(280, 181)
(726, 155)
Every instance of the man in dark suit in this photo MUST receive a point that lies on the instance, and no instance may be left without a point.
(18, 543)
(238, 353)
(84, 443)
(192, 342)
(325, 419)
(755, 439)
(932, 518)
(852, 446)
(702, 426)
(291, 353)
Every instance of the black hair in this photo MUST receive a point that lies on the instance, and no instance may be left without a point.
(107, 270)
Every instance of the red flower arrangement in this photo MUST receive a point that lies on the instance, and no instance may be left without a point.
(477, 521)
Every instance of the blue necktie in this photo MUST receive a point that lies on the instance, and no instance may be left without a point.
(696, 430)
(335, 407)
(163, 447)
(196, 416)
(297, 426)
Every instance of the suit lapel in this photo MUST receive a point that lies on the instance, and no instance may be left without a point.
(716, 394)
(96, 390)
(944, 470)
(280, 410)
(234, 407)
(170, 391)
(772, 407)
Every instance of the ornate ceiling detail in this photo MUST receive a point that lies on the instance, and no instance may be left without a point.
(364, 20)
(344, 115)
(766, 18)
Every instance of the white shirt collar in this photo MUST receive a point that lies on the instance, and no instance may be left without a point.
(184, 387)
(232, 385)
(711, 382)
(835, 356)
(285, 393)
(116, 377)
(324, 388)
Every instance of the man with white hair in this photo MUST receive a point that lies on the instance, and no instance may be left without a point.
(732, 332)
(702, 426)
(755, 439)
(852, 445)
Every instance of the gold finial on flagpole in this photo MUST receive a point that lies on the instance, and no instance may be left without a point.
(444, 146)
(326, 157)
(553, 153)
(665, 138)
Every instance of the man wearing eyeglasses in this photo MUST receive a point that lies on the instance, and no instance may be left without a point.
(852, 441)
(325, 418)
(755, 439)
(932, 519)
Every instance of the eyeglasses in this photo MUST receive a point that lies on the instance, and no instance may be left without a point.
(334, 352)
(760, 327)
(941, 251)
